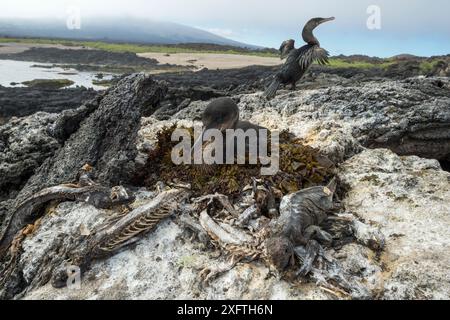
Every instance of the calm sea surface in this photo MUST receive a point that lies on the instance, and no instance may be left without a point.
(20, 71)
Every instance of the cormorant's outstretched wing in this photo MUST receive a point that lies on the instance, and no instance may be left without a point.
(286, 47)
(313, 53)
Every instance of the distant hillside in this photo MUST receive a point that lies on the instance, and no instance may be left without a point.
(115, 30)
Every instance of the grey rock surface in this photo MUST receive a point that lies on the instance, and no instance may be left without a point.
(21, 102)
(407, 198)
(399, 200)
(105, 140)
(411, 117)
(164, 265)
(24, 146)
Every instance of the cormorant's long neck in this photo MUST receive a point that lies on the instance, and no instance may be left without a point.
(308, 35)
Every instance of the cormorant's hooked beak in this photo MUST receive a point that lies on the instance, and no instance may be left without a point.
(326, 20)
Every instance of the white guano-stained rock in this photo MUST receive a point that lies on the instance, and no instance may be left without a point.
(408, 199)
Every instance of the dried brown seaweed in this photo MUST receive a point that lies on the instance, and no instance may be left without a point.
(301, 166)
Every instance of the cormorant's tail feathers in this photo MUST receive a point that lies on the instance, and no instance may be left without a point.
(271, 91)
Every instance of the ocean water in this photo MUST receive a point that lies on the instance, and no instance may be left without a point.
(20, 71)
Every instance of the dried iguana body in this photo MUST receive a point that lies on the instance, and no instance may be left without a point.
(127, 230)
(283, 242)
(268, 244)
(223, 200)
(30, 210)
(297, 233)
(298, 225)
(139, 221)
(26, 219)
(238, 244)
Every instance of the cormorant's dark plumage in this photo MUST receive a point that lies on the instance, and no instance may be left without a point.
(299, 60)
(222, 114)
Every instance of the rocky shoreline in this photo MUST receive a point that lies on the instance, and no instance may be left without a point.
(20, 102)
(92, 60)
(185, 85)
(377, 132)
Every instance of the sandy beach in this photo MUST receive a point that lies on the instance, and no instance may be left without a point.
(212, 60)
(196, 60)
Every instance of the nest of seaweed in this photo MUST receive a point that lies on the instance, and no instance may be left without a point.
(301, 166)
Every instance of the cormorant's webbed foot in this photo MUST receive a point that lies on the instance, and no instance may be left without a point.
(293, 87)
(307, 255)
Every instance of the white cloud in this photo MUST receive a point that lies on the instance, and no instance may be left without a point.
(251, 14)
(268, 22)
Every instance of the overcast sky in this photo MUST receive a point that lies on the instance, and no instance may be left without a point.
(419, 27)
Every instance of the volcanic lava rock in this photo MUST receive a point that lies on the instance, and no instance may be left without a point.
(21, 102)
(403, 197)
(105, 140)
(24, 146)
(410, 117)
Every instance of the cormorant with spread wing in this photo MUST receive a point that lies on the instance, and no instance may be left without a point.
(299, 60)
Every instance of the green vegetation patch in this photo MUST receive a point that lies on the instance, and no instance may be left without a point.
(104, 83)
(143, 48)
(341, 63)
(428, 66)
